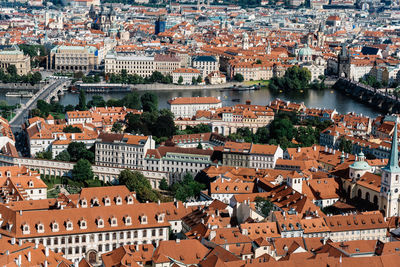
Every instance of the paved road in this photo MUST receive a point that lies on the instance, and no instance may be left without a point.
(22, 114)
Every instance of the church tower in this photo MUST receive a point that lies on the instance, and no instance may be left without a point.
(390, 181)
(268, 49)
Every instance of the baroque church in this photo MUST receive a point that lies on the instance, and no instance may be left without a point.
(380, 187)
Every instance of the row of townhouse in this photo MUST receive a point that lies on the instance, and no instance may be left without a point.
(251, 155)
(94, 222)
(226, 120)
(144, 66)
(139, 152)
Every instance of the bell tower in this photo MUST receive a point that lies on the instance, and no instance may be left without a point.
(390, 181)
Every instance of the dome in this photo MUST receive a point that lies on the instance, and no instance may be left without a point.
(306, 51)
(360, 165)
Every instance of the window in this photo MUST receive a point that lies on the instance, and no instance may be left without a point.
(153, 232)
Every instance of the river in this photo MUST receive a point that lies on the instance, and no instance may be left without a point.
(329, 99)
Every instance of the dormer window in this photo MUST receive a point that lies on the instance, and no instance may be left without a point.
(118, 200)
(129, 200)
(100, 223)
(113, 221)
(25, 229)
(54, 227)
(143, 219)
(107, 201)
(8, 173)
(160, 217)
(95, 202)
(30, 183)
(68, 225)
(83, 224)
(128, 220)
(40, 228)
(84, 203)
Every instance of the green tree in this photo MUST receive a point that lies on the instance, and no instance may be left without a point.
(135, 181)
(163, 184)
(72, 129)
(63, 156)
(238, 77)
(82, 171)
(132, 100)
(97, 101)
(165, 126)
(199, 79)
(149, 102)
(44, 155)
(180, 80)
(133, 123)
(117, 127)
(78, 150)
(345, 145)
(263, 205)
(82, 100)
(194, 81)
(199, 146)
(187, 188)
(12, 70)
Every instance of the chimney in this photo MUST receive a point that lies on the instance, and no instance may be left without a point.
(178, 241)
(45, 263)
(13, 241)
(46, 251)
(212, 235)
(20, 242)
(137, 248)
(19, 260)
(29, 256)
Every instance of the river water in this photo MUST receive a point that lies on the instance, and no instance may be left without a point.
(329, 99)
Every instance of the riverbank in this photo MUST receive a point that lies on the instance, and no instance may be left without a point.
(169, 87)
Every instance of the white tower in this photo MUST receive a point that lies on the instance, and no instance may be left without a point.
(390, 181)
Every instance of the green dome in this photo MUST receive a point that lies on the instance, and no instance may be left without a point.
(360, 165)
(306, 51)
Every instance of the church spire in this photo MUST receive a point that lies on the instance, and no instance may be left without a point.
(393, 164)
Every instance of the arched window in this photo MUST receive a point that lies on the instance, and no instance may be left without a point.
(359, 194)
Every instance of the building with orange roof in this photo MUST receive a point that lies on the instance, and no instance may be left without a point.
(79, 225)
(186, 107)
(48, 135)
(18, 184)
(187, 74)
(110, 150)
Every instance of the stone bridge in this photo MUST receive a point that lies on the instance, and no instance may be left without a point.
(369, 95)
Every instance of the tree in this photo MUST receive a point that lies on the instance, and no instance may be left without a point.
(117, 127)
(163, 184)
(295, 79)
(263, 205)
(12, 70)
(149, 102)
(180, 80)
(63, 156)
(199, 79)
(165, 126)
(44, 155)
(82, 100)
(82, 171)
(78, 150)
(199, 146)
(135, 181)
(187, 188)
(345, 145)
(238, 77)
(131, 100)
(194, 81)
(97, 101)
(72, 129)
(258, 61)
(133, 123)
